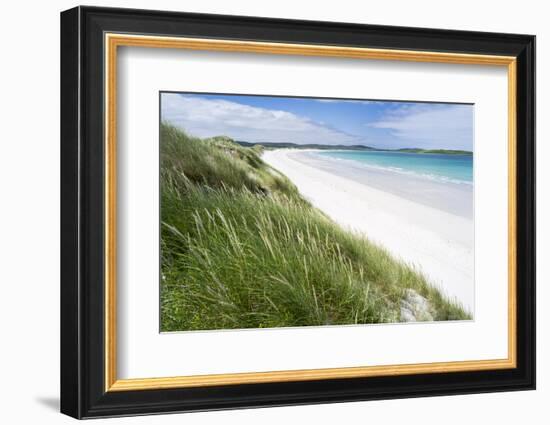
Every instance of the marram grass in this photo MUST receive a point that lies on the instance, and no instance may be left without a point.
(240, 248)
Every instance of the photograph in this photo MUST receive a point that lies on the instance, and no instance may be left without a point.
(285, 211)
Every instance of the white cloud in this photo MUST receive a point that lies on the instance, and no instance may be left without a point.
(213, 117)
(430, 126)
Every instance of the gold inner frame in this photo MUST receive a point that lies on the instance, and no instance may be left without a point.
(113, 41)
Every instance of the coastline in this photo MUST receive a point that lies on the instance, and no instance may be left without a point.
(449, 196)
(430, 229)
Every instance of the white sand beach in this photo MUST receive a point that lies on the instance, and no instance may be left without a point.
(426, 224)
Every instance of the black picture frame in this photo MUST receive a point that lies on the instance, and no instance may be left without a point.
(83, 392)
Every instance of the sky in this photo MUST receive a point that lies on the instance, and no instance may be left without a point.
(270, 119)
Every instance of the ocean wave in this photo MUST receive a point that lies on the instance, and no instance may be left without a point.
(430, 176)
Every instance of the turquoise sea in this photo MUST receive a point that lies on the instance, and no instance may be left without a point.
(440, 167)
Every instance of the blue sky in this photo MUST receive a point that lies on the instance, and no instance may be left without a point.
(264, 119)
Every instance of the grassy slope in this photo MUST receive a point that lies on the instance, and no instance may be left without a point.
(241, 248)
(438, 151)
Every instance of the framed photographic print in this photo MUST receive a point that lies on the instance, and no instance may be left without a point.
(261, 212)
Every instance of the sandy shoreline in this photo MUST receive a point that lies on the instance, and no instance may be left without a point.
(432, 233)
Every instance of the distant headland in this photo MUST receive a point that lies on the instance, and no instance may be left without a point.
(288, 145)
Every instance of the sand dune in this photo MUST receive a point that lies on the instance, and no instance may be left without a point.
(407, 218)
